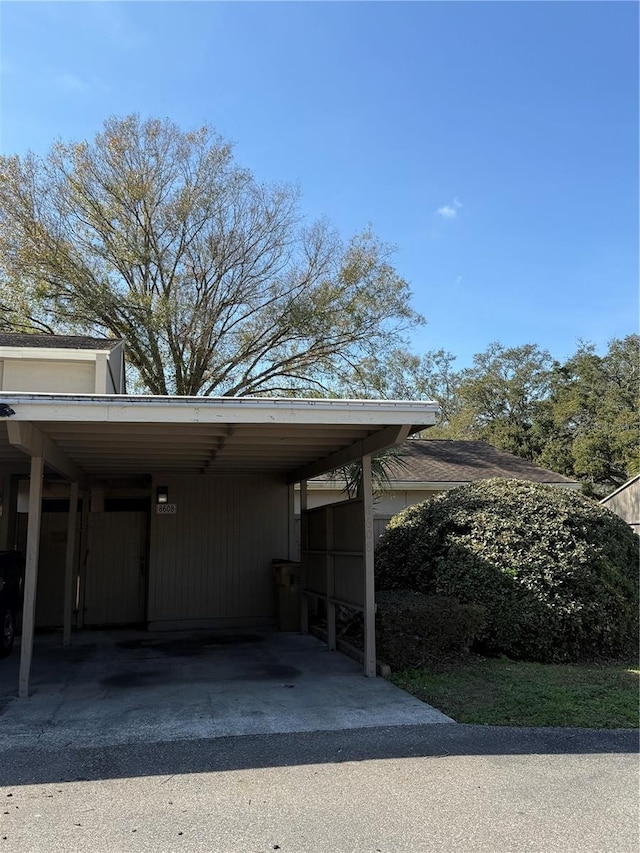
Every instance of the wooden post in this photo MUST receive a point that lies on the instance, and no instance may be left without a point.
(31, 574)
(330, 583)
(8, 490)
(293, 541)
(304, 601)
(82, 568)
(369, 578)
(69, 586)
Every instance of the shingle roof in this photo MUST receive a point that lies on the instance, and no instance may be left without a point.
(443, 461)
(19, 339)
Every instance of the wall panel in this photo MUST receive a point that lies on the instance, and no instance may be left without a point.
(210, 561)
(115, 575)
(53, 376)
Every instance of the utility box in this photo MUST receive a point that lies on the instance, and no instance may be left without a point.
(286, 574)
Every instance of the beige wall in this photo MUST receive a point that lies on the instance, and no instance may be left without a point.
(210, 562)
(626, 504)
(386, 505)
(66, 377)
(62, 371)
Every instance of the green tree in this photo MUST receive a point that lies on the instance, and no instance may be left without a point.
(498, 397)
(591, 418)
(402, 375)
(157, 236)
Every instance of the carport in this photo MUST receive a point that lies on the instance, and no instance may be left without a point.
(218, 477)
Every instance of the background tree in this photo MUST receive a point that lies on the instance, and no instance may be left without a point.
(402, 375)
(500, 394)
(494, 400)
(157, 236)
(590, 421)
(579, 418)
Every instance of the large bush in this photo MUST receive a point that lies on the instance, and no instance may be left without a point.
(556, 574)
(414, 629)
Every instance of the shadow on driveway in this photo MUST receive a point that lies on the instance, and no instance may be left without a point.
(34, 764)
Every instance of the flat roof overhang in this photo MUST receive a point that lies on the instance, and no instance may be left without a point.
(109, 436)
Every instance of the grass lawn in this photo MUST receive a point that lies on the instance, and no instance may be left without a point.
(501, 692)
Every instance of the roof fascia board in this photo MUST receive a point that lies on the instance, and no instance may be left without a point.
(113, 408)
(51, 353)
(392, 486)
(422, 486)
(28, 438)
(387, 437)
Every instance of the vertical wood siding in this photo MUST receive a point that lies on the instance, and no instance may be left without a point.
(211, 560)
(626, 504)
(115, 578)
(336, 567)
(50, 591)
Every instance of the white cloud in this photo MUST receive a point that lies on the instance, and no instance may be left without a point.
(449, 211)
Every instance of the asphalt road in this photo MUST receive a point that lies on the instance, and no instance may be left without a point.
(416, 788)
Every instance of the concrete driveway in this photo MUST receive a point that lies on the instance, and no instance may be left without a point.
(135, 686)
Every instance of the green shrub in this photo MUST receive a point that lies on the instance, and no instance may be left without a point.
(556, 573)
(414, 629)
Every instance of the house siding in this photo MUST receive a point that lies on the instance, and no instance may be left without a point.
(115, 580)
(626, 504)
(40, 375)
(210, 562)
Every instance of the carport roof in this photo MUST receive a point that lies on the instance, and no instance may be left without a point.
(107, 436)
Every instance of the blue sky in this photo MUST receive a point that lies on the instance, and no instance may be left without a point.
(495, 144)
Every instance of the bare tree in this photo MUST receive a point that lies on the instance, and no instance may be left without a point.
(156, 235)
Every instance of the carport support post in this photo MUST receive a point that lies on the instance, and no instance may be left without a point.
(330, 583)
(293, 542)
(69, 588)
(82, 569)
(31, 574)
(304, 601)
(369, 578)
(8, 489)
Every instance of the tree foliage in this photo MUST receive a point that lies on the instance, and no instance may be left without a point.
(591, 418)
(499, 396)
(157, 236)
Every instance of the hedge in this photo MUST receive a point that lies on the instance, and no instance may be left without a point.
(414, 629)
(556, 573)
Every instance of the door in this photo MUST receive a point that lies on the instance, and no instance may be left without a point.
(51, 565)
(115, 579)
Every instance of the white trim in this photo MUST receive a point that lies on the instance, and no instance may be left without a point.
(90, 408)
(51, 353)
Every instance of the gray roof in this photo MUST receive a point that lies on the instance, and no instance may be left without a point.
(427, 460)
(20, 339)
